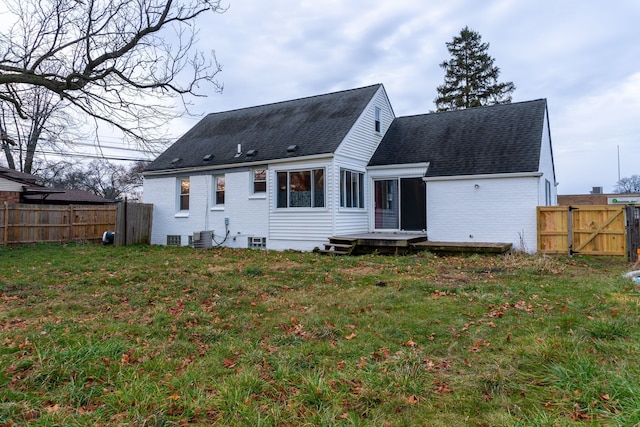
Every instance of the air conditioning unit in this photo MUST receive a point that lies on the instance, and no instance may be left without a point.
(202, 239)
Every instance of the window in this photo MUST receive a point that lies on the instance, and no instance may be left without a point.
(351, 189)
(547, 192)
(377, 121)
(218, 185)
(183, 202)
(257, 242)
(174, 240)
(259, 180)
(301, 189)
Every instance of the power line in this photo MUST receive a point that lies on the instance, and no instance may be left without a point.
(90, 156)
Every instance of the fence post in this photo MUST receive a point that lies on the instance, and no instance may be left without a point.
(71, 230)
(6, 223)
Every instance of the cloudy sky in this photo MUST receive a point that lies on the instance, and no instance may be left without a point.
(582, 56)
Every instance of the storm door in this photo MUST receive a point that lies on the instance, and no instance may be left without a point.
(413, 204)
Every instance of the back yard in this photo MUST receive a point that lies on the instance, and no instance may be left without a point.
(154, 336)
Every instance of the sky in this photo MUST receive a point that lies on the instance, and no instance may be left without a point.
(582, 56)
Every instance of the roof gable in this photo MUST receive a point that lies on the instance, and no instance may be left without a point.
(502, 138)
(316, 125)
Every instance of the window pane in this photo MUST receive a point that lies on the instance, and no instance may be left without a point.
(282, 190)
(342, 188)
(184, 194)
(361, 190)
(220, 187)
(300, 189)
(348, 189)
(318, 188)
(184, 202)
(259, 180)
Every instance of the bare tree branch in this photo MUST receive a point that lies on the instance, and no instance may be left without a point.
(123, 62)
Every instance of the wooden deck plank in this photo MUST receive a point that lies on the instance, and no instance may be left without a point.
(484, 247)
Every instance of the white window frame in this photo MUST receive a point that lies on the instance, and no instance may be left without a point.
(215, 190)
(377, 120)
(313, 190)
(255, 181)
(181, 195)
(356, 189)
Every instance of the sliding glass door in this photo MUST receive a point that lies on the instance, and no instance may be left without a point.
(400, 204)
(386, 200)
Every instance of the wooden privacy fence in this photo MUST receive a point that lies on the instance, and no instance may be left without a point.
(35, 223)
(584, 229)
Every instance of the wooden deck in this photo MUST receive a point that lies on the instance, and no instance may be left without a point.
(473, 247)
(397, 243)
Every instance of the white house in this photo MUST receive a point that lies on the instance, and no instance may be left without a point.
(289, 175)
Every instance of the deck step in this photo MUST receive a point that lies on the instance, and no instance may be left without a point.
(338, 246)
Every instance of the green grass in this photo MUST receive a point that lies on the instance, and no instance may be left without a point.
(153, 336)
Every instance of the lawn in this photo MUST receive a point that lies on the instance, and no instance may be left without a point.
(154, 336)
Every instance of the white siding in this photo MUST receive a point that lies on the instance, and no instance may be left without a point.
(300, 228)
(8, 185)
(362, 140)
(499, 210)
(350, 220)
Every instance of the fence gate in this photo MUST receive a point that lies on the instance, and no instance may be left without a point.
(633, 232)
(585, 229)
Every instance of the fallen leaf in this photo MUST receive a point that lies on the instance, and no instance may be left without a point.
(362, 363)
(442, 388)
(412, 400)
(409, 343)
(350, 337)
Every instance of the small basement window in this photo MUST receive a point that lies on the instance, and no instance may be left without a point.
(174, 240)
(257, 242)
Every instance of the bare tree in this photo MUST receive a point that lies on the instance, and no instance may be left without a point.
(47, 127)
(123, 62)
(630, 184)
(100, 177)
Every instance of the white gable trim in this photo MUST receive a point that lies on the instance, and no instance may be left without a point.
(424, 166)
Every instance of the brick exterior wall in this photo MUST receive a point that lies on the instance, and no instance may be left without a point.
(589, 199)
(10, 196)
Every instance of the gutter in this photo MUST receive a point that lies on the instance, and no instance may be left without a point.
(230, 166)
(483, 176)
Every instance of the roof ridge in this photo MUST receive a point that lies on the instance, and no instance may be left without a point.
(296, 99)
(482, 107)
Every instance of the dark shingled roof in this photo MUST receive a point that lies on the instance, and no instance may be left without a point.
(497, 139)
(17, 176)
(317, 125)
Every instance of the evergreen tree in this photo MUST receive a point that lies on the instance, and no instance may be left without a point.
(471, 79)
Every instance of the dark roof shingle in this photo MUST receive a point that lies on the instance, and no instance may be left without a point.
(502, 138)
(317, 125)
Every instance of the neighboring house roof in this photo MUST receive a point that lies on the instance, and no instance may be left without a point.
(50, 195)
(35, 193)
(317, 125)
(497, 139)
(17, 176)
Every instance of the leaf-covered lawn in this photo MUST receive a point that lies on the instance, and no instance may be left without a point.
(155, 336)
